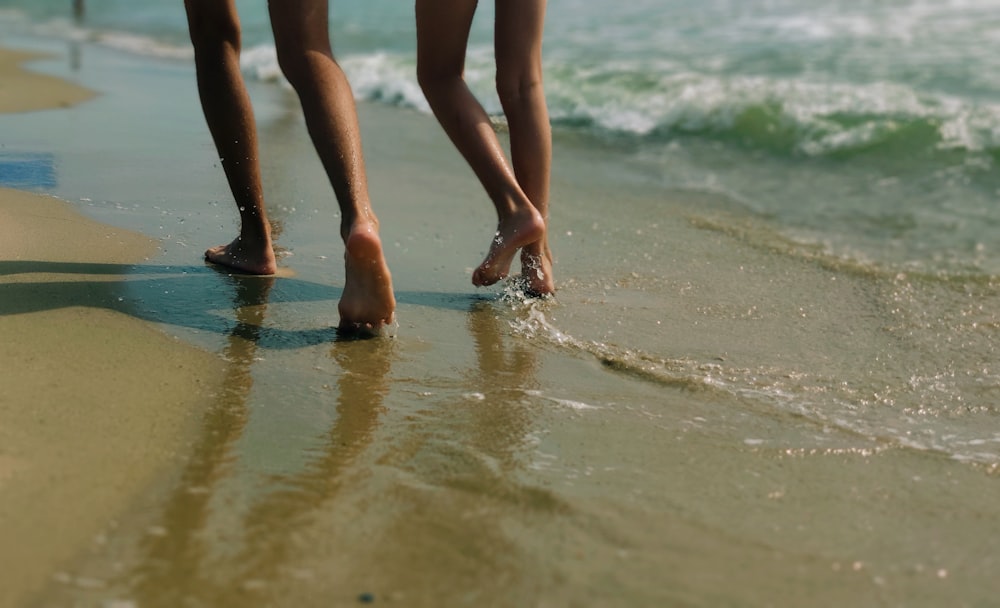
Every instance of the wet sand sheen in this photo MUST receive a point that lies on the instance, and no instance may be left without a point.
(94, 402)
(481, 459)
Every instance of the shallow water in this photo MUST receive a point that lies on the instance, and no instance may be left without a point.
(866, 129)
(710, 413)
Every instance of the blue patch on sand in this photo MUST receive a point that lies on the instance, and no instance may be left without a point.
(27, 170)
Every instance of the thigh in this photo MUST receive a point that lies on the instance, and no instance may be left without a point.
(300, 24)
(207, 17)
(518, 34)
(442, 35)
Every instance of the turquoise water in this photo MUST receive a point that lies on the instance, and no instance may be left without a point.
(881, 119)
(859, 135)
(863, 135)
(772, 356)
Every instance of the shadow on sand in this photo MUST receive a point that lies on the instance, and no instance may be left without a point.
(202, 298)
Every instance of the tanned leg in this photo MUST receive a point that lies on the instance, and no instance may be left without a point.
(518, 43)
(302, 38)
(215, 33)
(442, 35)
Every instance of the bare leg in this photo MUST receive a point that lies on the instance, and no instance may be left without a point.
(518, 43)
(442, 35)
(302, 38)
(215, 32)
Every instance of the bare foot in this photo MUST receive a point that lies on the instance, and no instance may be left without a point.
(367, 304)
(244, 255)
(536, 271)
(524, 227)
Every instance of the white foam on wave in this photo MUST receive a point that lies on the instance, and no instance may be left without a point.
(576, 405)
(641, 96)
(143, 45)
(903, 22)
(11, 16)
(66, 29)
(385, 77)
(261, 63)
(822, 116)
(381, 76)
(909, 417)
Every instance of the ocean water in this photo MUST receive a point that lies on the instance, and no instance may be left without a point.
(770, 372)
(864, 134)
(883, 117)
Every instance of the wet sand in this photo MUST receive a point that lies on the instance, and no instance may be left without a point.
(25, 91)
(673, 430)
(94, 402)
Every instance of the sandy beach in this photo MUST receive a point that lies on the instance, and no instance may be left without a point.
(94, 402)
(25, 91)
(693, 421)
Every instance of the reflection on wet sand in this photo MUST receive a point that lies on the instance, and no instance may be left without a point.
(79, 12)
(395, 497)
(208, 547)
(175, 560)
(460, 507)
(505, 372)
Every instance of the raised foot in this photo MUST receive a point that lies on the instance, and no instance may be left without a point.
(522, 228)
(244, 257)
(536, 273)
(367, 304)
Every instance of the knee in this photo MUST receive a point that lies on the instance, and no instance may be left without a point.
(302, 57)
(434, 78)
(210, 27)
(514, 87)
(296, 64)
(290, 64)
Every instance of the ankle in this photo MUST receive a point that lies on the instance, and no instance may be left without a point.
(255, 233)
